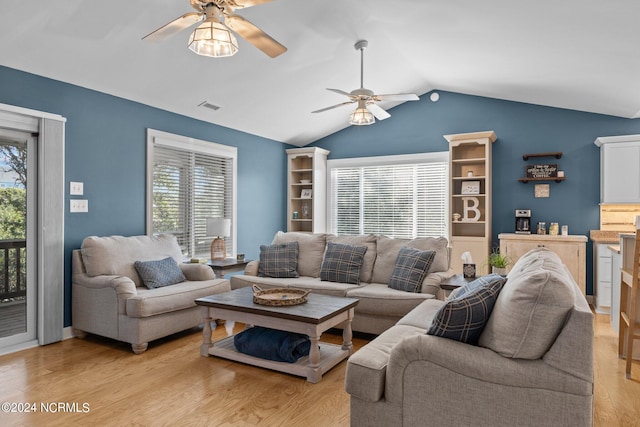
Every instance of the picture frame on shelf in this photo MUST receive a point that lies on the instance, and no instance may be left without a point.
(306, 193)
(470, 187)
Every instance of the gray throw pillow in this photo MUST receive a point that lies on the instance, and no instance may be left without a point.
(464, 317)
(159, 273)
(412, 266)
(280, 261)
(342, 263)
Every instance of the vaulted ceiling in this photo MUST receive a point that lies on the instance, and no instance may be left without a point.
(576, 54)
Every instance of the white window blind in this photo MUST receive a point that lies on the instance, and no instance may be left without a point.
(188, 185)
(399, 196)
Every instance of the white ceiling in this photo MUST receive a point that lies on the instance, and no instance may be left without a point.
(576, 54)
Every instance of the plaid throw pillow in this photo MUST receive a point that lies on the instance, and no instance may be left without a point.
(463, 318)
(278, 260)
(412, 266)
(159, 273)
(342, 263)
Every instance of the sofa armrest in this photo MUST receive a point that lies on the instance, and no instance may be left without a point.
(197, 272)
(431, 359)
(431, 283)
(251, 269)
(121, 285)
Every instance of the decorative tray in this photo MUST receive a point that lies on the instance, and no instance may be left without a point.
(279, 296)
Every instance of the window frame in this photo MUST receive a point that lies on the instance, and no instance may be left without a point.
(390, 160)
(179, 142)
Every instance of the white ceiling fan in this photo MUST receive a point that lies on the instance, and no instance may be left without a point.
(366, 99)
(212, 37)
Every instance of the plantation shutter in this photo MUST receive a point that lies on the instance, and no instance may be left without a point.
(189, 187)
(398, 200)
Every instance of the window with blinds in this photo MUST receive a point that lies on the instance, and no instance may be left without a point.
(190, 182)
(399, 196)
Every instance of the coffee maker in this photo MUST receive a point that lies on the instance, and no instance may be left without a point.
(523, 221)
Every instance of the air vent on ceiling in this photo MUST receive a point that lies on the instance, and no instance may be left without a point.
(208, 105)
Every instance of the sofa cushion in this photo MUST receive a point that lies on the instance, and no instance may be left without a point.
(368, 240)
(310, 283)
(464, 317)
(151, 302)
(388, 249)
(367, 367)
(310, 250)
(381, 300)
(159, 273)
(279, 260)
(532, 307)
(412, 266)
(115, 255)
(422, 315)
(342, 263)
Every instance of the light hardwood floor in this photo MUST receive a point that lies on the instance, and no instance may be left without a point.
(172, 385)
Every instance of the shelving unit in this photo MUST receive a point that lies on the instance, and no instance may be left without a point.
(308, 165)
(556, 154)
(470, 160)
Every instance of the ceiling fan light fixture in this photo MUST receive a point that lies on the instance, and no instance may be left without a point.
(361, 116)
(213, 39)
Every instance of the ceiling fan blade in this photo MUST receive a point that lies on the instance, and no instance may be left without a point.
(240, 4)
(341, 92)
(254, 35)
(173, 27)
(398, 97)
(377, 111)
(333, 106)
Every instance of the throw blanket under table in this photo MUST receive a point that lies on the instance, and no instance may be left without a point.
(272, 344)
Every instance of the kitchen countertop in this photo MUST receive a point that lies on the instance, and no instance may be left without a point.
(605, 236)
(614, 248)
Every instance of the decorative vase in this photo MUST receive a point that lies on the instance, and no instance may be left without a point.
(502, 271)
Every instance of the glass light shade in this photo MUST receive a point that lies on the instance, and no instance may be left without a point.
(213, 39)
(361, 116)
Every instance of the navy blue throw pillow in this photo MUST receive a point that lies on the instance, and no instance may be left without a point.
(159, 273)
(412, 266)
(279, 260)
(342, 263)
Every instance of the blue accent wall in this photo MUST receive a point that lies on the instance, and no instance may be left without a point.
(416, 127)
(106, 140)
(105, 147)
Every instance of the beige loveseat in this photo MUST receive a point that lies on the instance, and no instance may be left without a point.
(110, 299)
(379, 307)
(533, 365)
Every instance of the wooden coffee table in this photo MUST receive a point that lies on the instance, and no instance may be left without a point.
(318, 314)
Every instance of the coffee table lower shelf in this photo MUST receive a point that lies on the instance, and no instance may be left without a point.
(330, 356)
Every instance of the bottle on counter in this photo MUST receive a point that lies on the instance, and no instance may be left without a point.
(554, 229)
(542, 228)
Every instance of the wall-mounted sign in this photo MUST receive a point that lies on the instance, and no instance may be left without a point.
(542, 171)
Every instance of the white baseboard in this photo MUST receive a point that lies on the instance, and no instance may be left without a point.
(66, 334)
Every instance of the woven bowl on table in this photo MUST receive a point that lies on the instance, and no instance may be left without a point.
(279, 296)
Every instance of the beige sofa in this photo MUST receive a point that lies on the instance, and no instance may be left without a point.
(380, 307)
(110, 299)
(533, 365)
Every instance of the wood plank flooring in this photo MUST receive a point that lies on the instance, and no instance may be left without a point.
(13, 318)
(172, 385)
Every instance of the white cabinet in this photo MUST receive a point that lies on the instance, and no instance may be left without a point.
(602, 264)
(616, 265)
(571, 250)
(619, 168)
(307, 189)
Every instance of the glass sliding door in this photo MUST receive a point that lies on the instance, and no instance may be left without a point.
(17, 237)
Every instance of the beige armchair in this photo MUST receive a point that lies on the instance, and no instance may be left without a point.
(110, 299)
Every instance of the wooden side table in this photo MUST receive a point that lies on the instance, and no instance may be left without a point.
(454, 282)
(223, 266)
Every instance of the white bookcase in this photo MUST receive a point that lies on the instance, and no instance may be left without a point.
(470, 197)
(307, 189)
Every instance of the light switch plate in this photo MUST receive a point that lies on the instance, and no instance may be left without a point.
(76, 188)
(78, 205)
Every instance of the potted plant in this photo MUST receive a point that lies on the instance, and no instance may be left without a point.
(499, 262)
